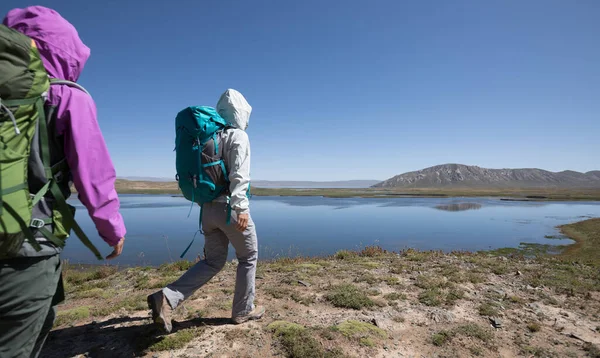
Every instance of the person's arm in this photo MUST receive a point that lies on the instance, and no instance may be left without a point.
(238, 157)
(91, 166)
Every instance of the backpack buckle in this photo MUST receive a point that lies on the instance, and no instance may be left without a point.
(58, 177)
(37, 223)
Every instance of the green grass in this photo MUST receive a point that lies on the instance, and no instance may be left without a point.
(394, 296)
(475, 331)
(587, 240)
(368, 278)
(430, 281)
(298, 342)
(365, 333)
(437, 297)
(77, 277)
(431, 297)
(306, 300)
(442, 337)
(177, 266)
(94, 293)
(470, 330)
(129, 303)
(489, 309)
(71, 316)
(277, 292)
(534, 327)
(348, 296)
(177, 340)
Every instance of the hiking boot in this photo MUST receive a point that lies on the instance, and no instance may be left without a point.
(256, 313)
(161, 310)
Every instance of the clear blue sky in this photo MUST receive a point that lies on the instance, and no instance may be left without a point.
(350, 89)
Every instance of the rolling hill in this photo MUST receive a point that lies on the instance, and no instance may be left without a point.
(467, 176)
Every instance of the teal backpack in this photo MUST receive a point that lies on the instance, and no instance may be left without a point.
(201, 173)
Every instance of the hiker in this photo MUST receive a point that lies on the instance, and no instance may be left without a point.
(225, 219)
(50, 137)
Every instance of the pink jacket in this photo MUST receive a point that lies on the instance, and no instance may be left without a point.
(64, 56)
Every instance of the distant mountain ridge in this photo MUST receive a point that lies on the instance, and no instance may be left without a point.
(469, 176)
(349, 184)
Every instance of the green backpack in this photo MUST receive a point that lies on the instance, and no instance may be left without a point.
(34, 173)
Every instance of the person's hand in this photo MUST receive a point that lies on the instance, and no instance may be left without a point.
(242, 222)
(118, 248)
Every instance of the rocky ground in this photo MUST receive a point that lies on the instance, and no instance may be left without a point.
(354, 304)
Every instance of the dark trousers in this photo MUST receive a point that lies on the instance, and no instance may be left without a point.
(30, 287)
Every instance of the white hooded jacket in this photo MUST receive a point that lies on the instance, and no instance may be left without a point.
(234, 108)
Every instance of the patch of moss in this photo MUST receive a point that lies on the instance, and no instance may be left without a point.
(442, 337)
(394, 296)
(348, 296)
(366, 334)
(368, 278)
(177, 340)
(534, 327)
(427, 282)
(475, 331)
(94, 293)
(489, 309)
(71, 316)
(431, 297)
(129, 303)
(298, 342)
(305, 300)
(277, 292)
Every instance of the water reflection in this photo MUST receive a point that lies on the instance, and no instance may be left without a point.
(459, 207)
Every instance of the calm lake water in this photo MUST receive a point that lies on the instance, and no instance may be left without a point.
(159, 228)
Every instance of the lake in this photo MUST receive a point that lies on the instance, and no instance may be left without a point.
(159, 228)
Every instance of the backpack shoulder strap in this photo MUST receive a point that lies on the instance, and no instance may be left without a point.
(55, 81)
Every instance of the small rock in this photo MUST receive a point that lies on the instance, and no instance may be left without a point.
(496, 322)
(562, 313)
(503, 258)
(519, 273)
(305, 284)
(573, 335)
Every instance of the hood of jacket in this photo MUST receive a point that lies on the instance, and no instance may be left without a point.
(62, 51)
(234, 108)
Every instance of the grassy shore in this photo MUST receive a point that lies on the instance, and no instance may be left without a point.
(142, 187)
(370, 303)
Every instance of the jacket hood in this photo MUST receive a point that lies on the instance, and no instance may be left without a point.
(62, 51)
(234, 108)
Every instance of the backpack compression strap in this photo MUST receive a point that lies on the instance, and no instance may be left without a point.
(52, 183)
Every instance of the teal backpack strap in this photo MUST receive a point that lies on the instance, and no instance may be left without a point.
(194, 238)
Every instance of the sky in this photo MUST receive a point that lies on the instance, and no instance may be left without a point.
(346, 89)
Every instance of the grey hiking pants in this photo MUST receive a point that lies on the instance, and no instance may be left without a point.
(217, 236)
(29, 289)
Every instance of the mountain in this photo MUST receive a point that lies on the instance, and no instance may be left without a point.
(467, 176)
(350, 184)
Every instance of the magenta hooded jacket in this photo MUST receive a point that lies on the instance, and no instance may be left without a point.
(64, 56)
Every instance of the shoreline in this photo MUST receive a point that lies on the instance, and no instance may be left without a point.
(529, 194)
